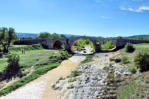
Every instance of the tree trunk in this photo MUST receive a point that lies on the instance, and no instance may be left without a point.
(5, 49)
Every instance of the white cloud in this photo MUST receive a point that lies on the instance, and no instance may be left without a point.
(139, 9)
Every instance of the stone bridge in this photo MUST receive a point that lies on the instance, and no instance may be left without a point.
(68, 42)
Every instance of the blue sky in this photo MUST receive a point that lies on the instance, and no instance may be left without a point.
(79, 17)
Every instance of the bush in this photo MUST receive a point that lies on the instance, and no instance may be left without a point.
(107, 45)
(37, 46)
(124, 60)
(141, 60)
(129, 48)
(13, 68)
(64, 55)
(75, 73)
(88, 58)
(132, 69)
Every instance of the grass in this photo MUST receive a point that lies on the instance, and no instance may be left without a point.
(137, 87)
(3, 64)
(126, 92)
(88, 58)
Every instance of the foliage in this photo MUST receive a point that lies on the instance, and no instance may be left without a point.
(80, 43)
(132, 69)
(48, 35)
(124, 60)
(129, 47)
(64, 55)
(13, 67)
(111, 75)
(74, 73)
(88, 58)
(107, 45)
(141, 60)
(44, 35)
(7, 35)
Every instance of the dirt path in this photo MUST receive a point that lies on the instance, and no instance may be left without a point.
(41, 87)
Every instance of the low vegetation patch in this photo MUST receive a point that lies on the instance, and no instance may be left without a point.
(87, 59)
(81, 43)
(124, 60)
(129, 47)
(141, 60)
(74, 73)
(107, 45)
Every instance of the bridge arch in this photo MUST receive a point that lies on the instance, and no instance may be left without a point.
(56, 44)
(72, 42)
(108, 45)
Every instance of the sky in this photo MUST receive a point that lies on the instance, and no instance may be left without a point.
(78, 17)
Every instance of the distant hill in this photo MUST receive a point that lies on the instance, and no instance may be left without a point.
(34, 35)
(139, 37)
(27, 35)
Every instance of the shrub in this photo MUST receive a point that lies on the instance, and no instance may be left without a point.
(13, 68)
(54, 59)
(132, 69)
(129, 47)
(75, 73)
(37, 46)
(107, 45)
(110, 75)
(64, 55)
(88, 58)
(141, 60)
(124, 60)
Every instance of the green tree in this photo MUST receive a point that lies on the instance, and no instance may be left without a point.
(44, 35)
(55, 36)
(7, 35)
(63, 36)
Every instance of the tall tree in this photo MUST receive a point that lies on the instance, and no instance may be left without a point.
(55, 36)
(44, 35)
(7, 35)
(63, 36)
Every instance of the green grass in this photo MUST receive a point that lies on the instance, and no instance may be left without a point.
(3, 64)
(126, 92)
(144, 46)
(141, 46)
(31, 58)
(88, 58)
